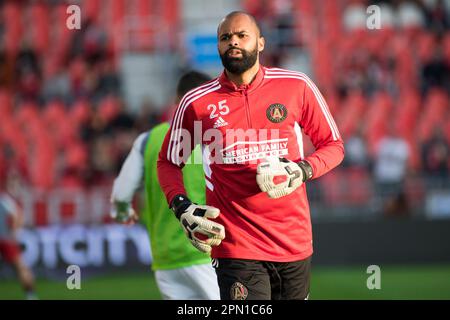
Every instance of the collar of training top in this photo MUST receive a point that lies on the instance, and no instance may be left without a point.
(226, 83)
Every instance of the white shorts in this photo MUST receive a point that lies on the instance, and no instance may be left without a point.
(197, 282)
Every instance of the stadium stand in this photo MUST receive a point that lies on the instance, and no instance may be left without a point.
(64, 122)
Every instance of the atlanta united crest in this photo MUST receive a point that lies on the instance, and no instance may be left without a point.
(238, 291)
(276, 112)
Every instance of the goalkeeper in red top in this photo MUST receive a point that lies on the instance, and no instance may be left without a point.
(249, 122)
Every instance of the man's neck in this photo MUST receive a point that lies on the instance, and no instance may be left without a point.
(243, 78)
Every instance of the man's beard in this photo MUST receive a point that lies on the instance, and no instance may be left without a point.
(239, 65)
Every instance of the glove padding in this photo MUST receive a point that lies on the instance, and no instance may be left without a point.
(194, 220)
(279, 177)
(123, 212)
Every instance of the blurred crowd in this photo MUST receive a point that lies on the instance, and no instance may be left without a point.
(64, 123)
(388, 89)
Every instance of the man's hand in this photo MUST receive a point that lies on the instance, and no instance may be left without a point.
(279, 177)
(194, 220)
(123, 213)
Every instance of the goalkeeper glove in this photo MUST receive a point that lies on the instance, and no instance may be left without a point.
(279, 177)
(122, 212)
(194, 220)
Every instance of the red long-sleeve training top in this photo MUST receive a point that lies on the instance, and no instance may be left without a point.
(237, 127)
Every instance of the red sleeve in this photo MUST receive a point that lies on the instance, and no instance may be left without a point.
(318, 123)
(175, 150)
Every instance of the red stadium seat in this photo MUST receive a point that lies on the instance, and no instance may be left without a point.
(80, 112)
(304, 20)
(251, 6)
(12, 134)
(76, 161)
(330, 184)
(144, 7)
(118, 8)
(108, 108)
(44, 161)
(61, 35)
(5, 103)
(377, 118)
(69, 135)
(54, 112)
(407, 113)
(436, 104)
(76, 155)
(13, 26)
(41, 30)
(91, 9)
(406, 69)
(40, 211)
(358, 186)
(350, 187)
(353, 109)
(435, 112)
(27, 112)
(426, 44)
(446, 46)
(67, 211)
(171, 12)
(77, 71)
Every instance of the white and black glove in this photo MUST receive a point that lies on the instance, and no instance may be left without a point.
(123, 212)
(279, 177)
(194, 220)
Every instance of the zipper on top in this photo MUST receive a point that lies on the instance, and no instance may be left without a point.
(247, 107)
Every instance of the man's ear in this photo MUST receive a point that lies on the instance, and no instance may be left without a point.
(261, 43)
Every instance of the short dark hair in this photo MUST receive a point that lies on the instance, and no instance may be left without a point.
(235, 13)
(189, 81)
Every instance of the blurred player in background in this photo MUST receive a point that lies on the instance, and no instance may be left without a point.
(11, 220)
(181, 271)
(263, 206)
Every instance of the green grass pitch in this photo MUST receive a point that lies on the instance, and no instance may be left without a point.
(397, 282)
